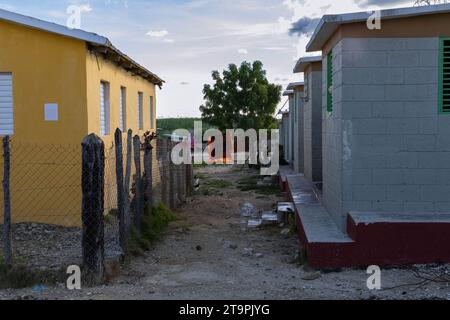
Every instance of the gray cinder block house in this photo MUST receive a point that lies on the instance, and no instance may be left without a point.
(386, 110)
(296, 112)
(311, 67)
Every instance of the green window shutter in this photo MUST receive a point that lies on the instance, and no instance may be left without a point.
(444, 76)
(330, 82)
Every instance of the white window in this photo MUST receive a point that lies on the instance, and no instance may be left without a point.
(140, 111)
(6, 105)
(104, 108)
(123, 109)
(152, 114)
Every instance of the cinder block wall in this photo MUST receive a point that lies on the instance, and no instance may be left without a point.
(286, 137)
(332, 140)
(291, 129)
(392, 145)
(313, 126)
(298, 160)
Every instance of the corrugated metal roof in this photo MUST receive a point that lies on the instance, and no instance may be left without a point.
(97, 42)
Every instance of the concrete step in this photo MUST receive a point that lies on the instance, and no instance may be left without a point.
(326, 245)
(372, 237)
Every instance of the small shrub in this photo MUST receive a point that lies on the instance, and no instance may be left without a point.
(19, 276)
(154, 223)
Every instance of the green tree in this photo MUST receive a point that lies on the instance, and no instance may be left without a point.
(241, 98)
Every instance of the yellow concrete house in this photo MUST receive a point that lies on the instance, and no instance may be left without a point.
(58, 85)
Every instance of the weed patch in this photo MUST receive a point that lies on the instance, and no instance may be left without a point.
(19, 276)
(154, 223)
(252, 183)
(218, 184)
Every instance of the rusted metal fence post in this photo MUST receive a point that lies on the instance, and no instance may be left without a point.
(93, 183)
(120, 188)
(7, 202)
(138, 183)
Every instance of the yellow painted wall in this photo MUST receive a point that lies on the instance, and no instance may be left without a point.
(99, 69)
(45, 166)
(46, 156)
(46, 68)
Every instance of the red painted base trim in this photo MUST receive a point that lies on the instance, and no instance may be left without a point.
(380, 244)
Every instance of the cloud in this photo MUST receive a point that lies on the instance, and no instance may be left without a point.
(275, 48)
(364, 3)
(168, 40)
(158, 34)
(243, 51)
(304, 26)
(85, 8)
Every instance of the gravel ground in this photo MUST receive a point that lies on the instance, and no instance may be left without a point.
(51, 248)
(209, 254)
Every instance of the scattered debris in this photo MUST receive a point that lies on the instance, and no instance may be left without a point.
(286, 207)
(285, 232)
(312, 276)
(255, 223)
(248, 252)
(39, 288)
(248, 211)
(270, 216)
(197, 184)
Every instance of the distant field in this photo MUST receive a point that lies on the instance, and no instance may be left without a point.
(169, 125)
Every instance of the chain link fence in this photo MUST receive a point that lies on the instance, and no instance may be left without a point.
(80, 204)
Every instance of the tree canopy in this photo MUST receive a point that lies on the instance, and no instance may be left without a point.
(241, 98)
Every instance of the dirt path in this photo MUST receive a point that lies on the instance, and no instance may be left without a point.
(209, 254)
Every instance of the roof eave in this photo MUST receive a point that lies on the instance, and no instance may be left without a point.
(330, 23)
(294, 85)
(304, 62)
(92, 39)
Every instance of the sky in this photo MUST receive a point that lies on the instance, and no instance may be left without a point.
(182, 41)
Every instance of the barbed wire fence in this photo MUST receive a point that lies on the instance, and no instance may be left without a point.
(73, 204)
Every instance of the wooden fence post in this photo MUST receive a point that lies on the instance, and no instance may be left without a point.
(7, 202)
(138, 183)
(189, 178)
(127, 182)
(148, 172)
(93, 184)
(120, 188)
(171, 166)
(180, 183)
(164, 182)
